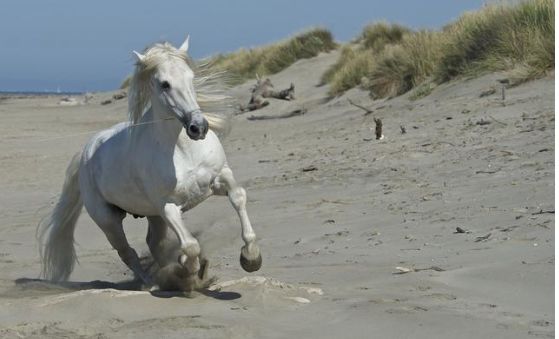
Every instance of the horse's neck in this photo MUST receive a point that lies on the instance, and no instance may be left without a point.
(166, 130)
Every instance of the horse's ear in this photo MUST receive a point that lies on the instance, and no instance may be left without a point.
(139, 57)
(184, 46)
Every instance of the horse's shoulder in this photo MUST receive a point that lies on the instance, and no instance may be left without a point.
(101, 138)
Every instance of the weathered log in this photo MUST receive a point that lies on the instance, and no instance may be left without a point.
(281, 116)
(265, 89)
(286, 94)
(367, 111)
(378, 129)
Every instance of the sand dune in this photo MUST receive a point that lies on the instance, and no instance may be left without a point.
(332, 237)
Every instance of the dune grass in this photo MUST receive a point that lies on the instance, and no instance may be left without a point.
(356, 62)
(245, 63)
(518, 38)
(529, 41)
(376, 36)
(500, 37)
(348, 70)
(399, 68)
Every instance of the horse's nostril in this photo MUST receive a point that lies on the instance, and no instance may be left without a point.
(194, 130)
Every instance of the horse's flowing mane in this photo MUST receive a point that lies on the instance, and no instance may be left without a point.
(209, 84)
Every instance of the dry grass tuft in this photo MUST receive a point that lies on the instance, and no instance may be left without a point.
(376, 36)
(394, 59)
(349, 70)
(399, 68)
(245, 63)
(500, 37)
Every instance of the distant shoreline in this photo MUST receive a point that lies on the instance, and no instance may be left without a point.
(4, 95)
(37, 93)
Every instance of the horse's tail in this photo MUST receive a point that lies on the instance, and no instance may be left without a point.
(56, 230)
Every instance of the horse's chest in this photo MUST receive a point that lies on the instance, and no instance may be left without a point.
(182, 175)
(193, 183)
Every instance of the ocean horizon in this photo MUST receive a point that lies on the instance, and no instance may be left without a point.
(40, 93)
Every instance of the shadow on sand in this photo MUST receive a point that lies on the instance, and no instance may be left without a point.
(45, 287)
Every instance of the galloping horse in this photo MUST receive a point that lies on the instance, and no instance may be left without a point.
(164, 161)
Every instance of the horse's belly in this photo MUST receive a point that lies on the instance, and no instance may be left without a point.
(127, 196)
(134, 204)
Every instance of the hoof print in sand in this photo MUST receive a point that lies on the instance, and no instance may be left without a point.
(258, 290)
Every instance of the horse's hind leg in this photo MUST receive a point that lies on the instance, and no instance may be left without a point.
(225, 184)
(109, 219)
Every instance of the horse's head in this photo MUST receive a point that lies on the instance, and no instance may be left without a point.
(170, 80)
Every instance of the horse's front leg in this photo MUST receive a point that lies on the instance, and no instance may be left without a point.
(225, 184)
(171, 213)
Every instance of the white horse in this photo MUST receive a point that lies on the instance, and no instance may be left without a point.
(164, 161)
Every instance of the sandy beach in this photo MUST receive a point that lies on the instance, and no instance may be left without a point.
(358, 236)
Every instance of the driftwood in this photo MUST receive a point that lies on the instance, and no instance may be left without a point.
(378, 129)
(281, 116)
(402, 129)
(120, 95)
(504, 83)
(367, 111)
(265, 89)
(378, 122)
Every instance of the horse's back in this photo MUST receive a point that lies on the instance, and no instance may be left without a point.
(102, 137)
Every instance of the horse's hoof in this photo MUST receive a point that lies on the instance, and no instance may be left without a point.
(146, 284)
(191, 265)
(153, 288)
(251, 265)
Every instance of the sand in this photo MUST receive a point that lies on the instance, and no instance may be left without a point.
(362, 246)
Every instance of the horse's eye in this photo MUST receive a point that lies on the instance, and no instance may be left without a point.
(165, 85)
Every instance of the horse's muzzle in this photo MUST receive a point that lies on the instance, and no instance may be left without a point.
(197, 130)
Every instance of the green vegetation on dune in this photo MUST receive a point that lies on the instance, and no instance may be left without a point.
(498, 38)
(402, 66)
(378, 35)
(344, 74)
(390, 60)
(245, 63)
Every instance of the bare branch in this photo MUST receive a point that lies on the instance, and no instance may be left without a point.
(378, 129)
(367, 111)
(281, 116)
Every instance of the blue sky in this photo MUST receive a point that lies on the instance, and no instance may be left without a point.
(86, 45)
